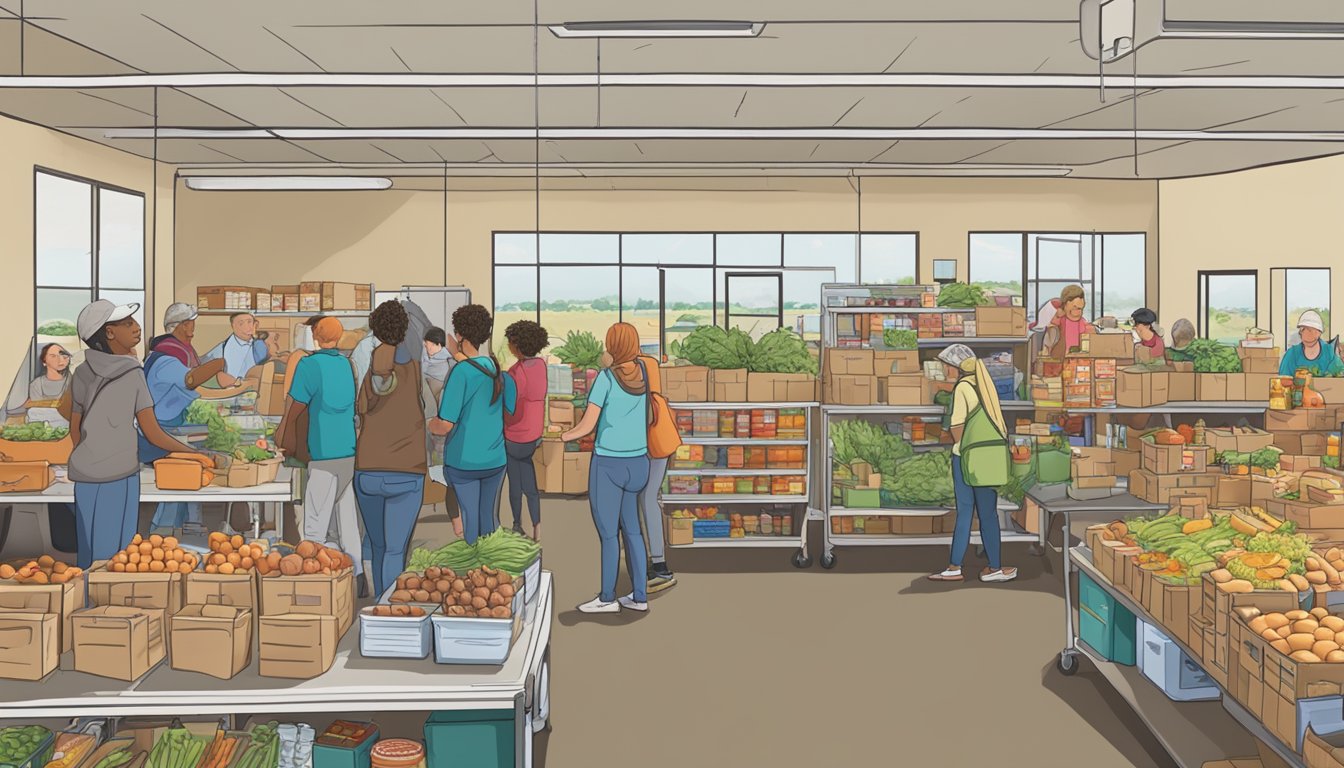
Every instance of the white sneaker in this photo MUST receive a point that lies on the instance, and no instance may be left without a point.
(597, 606)
(630, 602)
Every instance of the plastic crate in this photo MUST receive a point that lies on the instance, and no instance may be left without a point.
(532, 580)
(712, 529)
(484, 738)
(341, 753)
(1167, 666)
(39, 757)
(394, 637)
(462, 640)
(1104, 624)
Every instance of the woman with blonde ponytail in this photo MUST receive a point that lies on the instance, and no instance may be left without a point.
(979, 462)
(618, 409)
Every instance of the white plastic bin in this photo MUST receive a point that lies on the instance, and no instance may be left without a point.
(532, 580)
(461, 640)
(395, 637)
(1167, 666)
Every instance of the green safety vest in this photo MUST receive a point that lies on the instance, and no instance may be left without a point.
(984, 450)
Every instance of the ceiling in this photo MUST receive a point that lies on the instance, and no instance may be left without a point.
(856, 90)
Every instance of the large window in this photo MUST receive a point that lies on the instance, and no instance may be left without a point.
(1110, 268)
(1294, 291)
(89, 243)
(668, 284)
(1227, 304)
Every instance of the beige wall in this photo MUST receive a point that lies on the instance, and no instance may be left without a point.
(396, 237)
(26, 146)
(1281, 216)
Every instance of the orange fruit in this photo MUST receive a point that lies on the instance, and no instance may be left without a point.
(156, 553)
(225, 547)
(211, 569)
(247, 563)
(170, 566)
(136, 539)
(236, 541)
(156, 566)
(226, 569)
(143, 567)
(170, 542)
(133, 558)
(118, 568)
(146, 547)
(234, 559)
(156, 540)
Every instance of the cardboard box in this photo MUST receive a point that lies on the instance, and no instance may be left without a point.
(1173, 606)
(1260, 365)
(1140, 389)
(1220, 387)
(1117, 345)
(1126, 460)
(679, 532)
(214, 640)
(249, 474)
(561, 471)
(60, 599)
(343, 296)
(686, 383)
(1304, 420)
(156, 591)
(781, 388)
(1163, 489)
(1302, 443)
(1171, 459)
(1323, 750)
(887, 362)
(1092, 462)
(1239, 439)
(1001, 321)
(852, 390)
(296, 645)
(1307, 515)
(1291, 463)
(1191, 507)
(1181, 387)
(1332, 389)
(315, 594)
(1233, 491)
(850, 362)
(118, 642)
(907, 389)
(236, 590)
(1258, 384)
(30, 645)
(728, 385)
(1028, 516)
(561, 413)
(219, 297)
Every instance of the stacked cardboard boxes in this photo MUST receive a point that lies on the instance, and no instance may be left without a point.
(39, 620)
(686, 384)
(850, 376)
(123, 634)
(1001, 322)
(212, 634)
(1138, 387)
(302, 618)
(1303, 431)
(1092, 469)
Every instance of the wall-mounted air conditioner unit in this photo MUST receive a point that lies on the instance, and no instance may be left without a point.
(1112, 29)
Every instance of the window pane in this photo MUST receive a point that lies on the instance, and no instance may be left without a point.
(121, 240)
(753, 303)
(996, 263)
(689, 301)
(579, 299)
(738, 250)
(1230, 307)
(1057, 257)
(639, 303)
(667, 249)
(515, 299)
(516, 248)
(1306, 289)
(571, 248)
(888, 259)
(802, 301)
(64, 231)
(57, 310)
(1123, 275)
(822, 250)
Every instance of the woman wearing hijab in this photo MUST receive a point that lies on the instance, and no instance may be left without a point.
(618, 409)
(979, 462)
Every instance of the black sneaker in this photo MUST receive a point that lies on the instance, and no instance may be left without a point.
(660, 578)
(518, 529)
(363, 588)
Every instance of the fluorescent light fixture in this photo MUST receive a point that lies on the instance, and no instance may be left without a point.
(285, 183)
(187, 133)
(657, 29)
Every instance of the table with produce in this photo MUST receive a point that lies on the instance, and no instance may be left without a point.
(243, 626)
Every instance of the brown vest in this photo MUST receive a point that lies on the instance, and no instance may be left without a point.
(392, 426)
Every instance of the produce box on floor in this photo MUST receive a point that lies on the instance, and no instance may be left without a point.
(728, 385)
(214, 640)
(29, 597)
(296, 645)
(561, 471)
(686, 383)
(1141, 388)
(119, 642)
(32, 645)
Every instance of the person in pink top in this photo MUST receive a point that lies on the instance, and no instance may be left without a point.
(1069, 321)
(523, 427)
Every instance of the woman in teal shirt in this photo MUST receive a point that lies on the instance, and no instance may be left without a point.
(618, 408)
(1317, 357)
(471, 413)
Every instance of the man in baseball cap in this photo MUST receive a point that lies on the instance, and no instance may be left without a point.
(95, 317)
(1320, 359)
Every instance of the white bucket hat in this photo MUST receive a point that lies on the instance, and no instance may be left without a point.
(956, 354)
(1311, 319)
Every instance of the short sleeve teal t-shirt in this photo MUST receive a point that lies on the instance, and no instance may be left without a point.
(477, 439)
(622, 428)
(325, 382)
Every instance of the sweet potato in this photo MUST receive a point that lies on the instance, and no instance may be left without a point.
(306, 549)
(311, 566)
(420, 595)
(291, 565)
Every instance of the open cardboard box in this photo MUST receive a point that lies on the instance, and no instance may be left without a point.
(156, 591)
(60, 599)
(312, 594)
(119, 642)
(296, 645)
(214, 640)
(30, 645)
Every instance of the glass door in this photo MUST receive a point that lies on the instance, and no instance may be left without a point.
(754, 301)
(685, 302)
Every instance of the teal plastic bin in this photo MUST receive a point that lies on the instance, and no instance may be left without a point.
(1052, 466)
(1104, 624)
(331, 752)
(476, 738)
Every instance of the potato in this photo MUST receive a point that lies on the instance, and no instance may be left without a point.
(1297, 614)
(1322, 648)
(1323, 633)
(1258, 625)
(227, 569)
(491, 583)
(274, 559)
(479, 602)
(1300, 641)
(400, 596)
(412, 582)
(456, 610)
(464, 599)
(443, 585)
(504, 578)
(447, 573)
(506, 590)
(1237, 586)
(1305, 656)
(1281, 646)
(1319, 613)
(1335, 657)
(459, 586)
(437, 597)
(1299, 581)
(291, 565)
(1276, 620)
(420, 595)
(306, 549)
(247, 564)
(324, 558)
(1317, 577)
(417, 612)
(1269, 635)
(311, 566)
(477, 579)
(1307, 626)
(481, 592)
(496, 600)
(7, 571)
(433, 572)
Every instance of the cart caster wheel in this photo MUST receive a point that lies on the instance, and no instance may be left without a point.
(1068, 663)
(827, 561)
(801, 560)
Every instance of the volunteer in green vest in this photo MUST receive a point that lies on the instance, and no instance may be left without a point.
(979, 462)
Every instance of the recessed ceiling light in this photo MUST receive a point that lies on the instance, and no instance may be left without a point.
(657, 29)
(285, 183)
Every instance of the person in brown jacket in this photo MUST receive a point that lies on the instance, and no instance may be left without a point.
(390, 457)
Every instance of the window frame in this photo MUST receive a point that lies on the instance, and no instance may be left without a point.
(1288, 326)
(1202, 292)
(1095, 286)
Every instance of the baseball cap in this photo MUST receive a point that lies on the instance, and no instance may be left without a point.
(100, 313)
(176, 313)
(1311, 319)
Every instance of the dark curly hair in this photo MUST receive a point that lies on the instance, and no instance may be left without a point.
(473, 323)
(529, 337)
(389, 322)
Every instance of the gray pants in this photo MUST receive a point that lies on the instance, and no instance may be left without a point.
(330, 489)
(652, 513)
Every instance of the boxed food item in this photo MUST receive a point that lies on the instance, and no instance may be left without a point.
(248, 474)
(1237, 439)
(395, 631)
(851, 390)
(234, 590)
(339, 296)
(1126, 461)
(236, 297)
(1118, 345)
(850, 362)
(285, 298)
(1302, 443)
(470, 640)
(214, 640)
(680, 532)
(686, 383)
(1172, 459)
(561, 471)
(560, 412)
(118, 642)
(1325, 419)
(1163, 489)
(1092, 468)
(30, 645)
(1001, 321)
(60, 599)
(1307, 515)
(907, 389)
(315, 594)
(296, 645)
(886, 361)
(345, 744)
(1217, 387)
(781, 387)
(25, 476)
(1141, 388)
(728, 385)
(158, 591)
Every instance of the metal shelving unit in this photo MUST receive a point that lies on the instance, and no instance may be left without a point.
(801, 558)
(270, 313)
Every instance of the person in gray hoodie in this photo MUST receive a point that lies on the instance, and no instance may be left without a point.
(109, 396)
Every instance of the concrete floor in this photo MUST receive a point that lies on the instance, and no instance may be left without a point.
(749, 661)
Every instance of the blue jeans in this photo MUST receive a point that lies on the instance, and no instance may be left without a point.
(105, 517)
(173, 514)
(972, 501)
(389, 503)
(523, 480)
(478, 497)
(614, 485)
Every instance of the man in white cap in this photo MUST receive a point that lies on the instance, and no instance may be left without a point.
(1320, 359)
